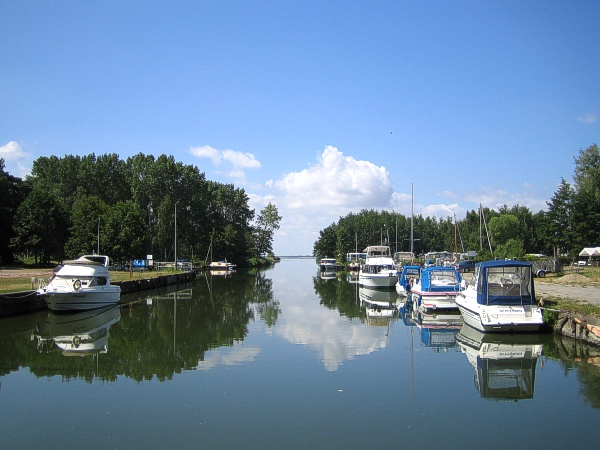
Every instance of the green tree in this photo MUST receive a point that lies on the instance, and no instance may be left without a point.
(557, 226)
(86, 226)
(504, 227)
(12, 192)
(41, 225)
(123, 236)
(266, 224)
(587, 170)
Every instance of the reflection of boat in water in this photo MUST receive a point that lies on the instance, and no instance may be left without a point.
(352, 277)
(328, 275)
(82, 333)
(378, 303)
(504, 364)
(438, 328)
(81, 284)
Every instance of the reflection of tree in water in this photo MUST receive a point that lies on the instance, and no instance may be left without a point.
(261, 294)
(577, 354)
(338, 294)
(159, 338)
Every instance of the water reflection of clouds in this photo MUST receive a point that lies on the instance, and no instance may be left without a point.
(336, 338)
(228, 356)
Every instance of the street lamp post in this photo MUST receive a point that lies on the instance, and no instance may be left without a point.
(176, 232)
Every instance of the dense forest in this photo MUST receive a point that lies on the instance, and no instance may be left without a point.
(569, 224)
(128, 209)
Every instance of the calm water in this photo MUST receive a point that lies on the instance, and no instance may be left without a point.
(283, 358)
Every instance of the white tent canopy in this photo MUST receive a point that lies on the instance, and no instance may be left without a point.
(590, 251)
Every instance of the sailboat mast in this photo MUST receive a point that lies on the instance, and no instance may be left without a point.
(412, 217)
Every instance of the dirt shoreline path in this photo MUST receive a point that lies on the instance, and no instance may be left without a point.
(578, 293)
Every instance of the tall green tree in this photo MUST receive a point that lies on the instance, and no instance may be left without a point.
(558, 226)
(267, 222)
(12, 192)
(41, 225)
(87, 223)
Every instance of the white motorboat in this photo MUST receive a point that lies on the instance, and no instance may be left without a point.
(329, 265)
(355, 260)
(501, 298)
(221, 265)
(379, 270)
(81, 284)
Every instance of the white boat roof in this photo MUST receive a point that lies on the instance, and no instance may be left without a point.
(381, 250)
(88, 260)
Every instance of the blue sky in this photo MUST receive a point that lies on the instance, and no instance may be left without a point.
(320, 107)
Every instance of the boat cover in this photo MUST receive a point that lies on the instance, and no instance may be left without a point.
(507, 283)
(409, 272)
(440, 279)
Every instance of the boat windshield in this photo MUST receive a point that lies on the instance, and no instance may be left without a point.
(443, 277)
(507, 285)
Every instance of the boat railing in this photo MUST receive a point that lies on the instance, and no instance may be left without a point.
(42, 283)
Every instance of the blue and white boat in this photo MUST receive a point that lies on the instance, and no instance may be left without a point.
(408, 273)
(436, 289)
(501, 298)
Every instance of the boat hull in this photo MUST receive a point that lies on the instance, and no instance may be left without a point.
(427, 301)
(400, 290)
(377, 281)
(81, 300)
(493, 319)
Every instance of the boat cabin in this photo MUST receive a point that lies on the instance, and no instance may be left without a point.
(507, 283)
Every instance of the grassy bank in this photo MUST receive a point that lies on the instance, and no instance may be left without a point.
(20, 280)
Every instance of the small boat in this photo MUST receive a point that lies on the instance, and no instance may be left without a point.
(437, 288)
(504, 364)
(379, 270)
(355, 260)
(501, 298)
(81, 284)
(329, 265)
(221, 265)
(404, 281)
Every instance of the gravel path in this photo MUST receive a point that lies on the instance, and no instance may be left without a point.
(584, 294)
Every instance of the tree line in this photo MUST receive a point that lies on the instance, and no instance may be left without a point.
(569, 225)
(128, 209)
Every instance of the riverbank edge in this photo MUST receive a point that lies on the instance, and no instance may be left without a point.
(24, 302)
(577, 326)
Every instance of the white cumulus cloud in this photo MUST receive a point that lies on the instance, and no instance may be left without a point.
(17, 161)
(12, 152)
(337, 181)
(238, 160)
